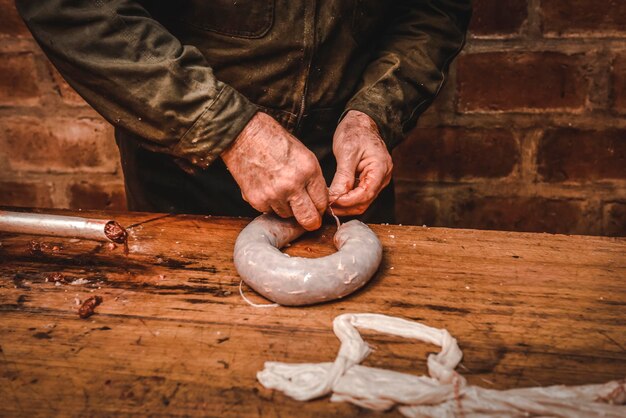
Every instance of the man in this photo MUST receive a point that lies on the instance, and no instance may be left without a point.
(217, 103)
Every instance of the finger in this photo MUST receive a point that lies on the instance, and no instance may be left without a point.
(260, 205)
(351, 211)
(282, 209)
(318, 192)
(361, 196)
(343, 181)
(357, 196)
(305, 212)
(370, 184)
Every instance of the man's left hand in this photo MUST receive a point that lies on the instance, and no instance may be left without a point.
(361, 154)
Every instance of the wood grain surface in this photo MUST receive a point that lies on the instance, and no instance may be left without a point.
(173, 337)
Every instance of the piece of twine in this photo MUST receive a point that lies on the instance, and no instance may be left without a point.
(255, 305)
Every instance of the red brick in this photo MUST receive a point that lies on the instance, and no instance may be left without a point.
(27, 194)
(498, 17)
(89, 195)
(436, 154)
(10, 21)
(566, 17)
(530, 214)
(59, 145)
(618, 79)
(18, 79)
(414, 209)
(615, 219)
(580, 155)
(521, 81)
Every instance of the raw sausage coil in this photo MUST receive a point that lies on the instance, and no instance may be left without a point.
(303, 281)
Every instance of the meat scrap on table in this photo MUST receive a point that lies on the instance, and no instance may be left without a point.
(89, 306)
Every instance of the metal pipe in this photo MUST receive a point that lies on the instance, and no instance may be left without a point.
(62, 226)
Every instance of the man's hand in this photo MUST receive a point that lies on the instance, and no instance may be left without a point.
(277, 172)
(360, 153)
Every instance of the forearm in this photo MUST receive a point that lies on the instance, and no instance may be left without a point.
(139, 76)
(410, 64)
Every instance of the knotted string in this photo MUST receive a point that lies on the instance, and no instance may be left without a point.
(330, 208)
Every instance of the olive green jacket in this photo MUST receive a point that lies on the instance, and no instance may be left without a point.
(184, 77)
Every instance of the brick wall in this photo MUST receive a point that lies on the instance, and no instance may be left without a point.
(529, 133)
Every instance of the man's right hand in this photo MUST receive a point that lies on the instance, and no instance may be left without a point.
(276, 172)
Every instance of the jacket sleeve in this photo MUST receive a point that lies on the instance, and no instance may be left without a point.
(410, 63)
(138, 76)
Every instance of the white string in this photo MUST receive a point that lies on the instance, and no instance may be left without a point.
(334, 216)
(256, 305)
(333, 213)
(444, 393)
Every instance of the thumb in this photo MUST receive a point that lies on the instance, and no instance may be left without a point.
(344, 178)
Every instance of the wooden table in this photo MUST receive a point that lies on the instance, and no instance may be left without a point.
(174, 337)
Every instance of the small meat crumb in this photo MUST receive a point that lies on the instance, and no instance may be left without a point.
(88, 307)
(55, 278)
(36, 247)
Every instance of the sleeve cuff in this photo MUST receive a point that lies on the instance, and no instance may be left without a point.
(389, 126)
(218, 126)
